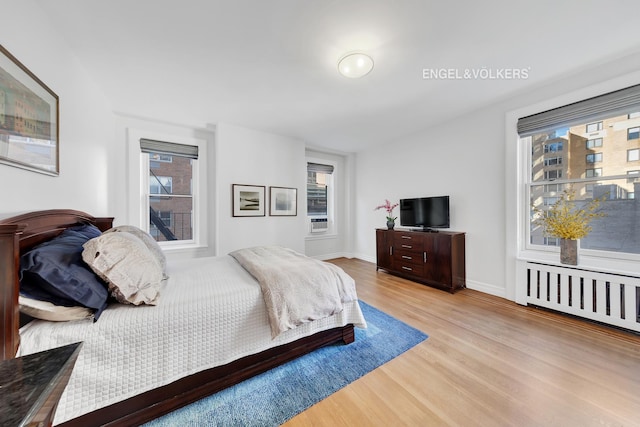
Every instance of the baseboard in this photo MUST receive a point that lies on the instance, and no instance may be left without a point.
(371, 259)
(325, 257)
(487, 288)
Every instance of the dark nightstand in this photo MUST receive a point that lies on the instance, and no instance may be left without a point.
(31, 386)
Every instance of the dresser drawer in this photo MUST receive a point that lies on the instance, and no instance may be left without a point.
(407, 238)
(409, 257)
(408, 268)
(407, 243)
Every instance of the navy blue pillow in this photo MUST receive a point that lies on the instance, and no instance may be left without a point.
(54, 271)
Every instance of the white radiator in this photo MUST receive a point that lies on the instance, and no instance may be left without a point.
(608, 298)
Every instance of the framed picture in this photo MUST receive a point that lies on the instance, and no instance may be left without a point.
(248, 200)
(28, 119)
(283, 201)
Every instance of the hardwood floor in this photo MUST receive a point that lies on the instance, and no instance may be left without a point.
(487, 362)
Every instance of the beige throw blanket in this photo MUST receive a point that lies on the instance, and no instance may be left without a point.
(296, 289)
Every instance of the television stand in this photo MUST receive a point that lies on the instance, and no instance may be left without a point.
(428, 230)
(434, 258)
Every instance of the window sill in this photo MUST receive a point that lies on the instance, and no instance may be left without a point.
(588, 260)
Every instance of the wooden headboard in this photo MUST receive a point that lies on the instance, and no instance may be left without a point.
(18, 234)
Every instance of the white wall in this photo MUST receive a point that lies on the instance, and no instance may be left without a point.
(85, 121)
(433, 164)
(250, 157)
(470, 158)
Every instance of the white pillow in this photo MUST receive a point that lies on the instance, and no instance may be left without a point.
(147, 239)
(132, 272)
(47, 311)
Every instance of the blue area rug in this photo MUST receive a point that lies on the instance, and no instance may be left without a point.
(278, 395)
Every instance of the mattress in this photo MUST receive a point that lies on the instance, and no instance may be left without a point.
(211, 312)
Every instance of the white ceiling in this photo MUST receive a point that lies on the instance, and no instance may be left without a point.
(272, 65)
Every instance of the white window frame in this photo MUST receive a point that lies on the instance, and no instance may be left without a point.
(139, 187)
(517, 177)
(332, 229)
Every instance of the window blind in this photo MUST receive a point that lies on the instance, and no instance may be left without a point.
(619, 102)
(317, 167)
(169, 148)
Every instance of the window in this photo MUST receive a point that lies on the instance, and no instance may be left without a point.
(552, 174)
(160, 184)
(165, 217)
(159, 157)
(320, 206)
(592, 143)
(553, 188)
(594, 127)
(553, 147)
(552, 161)
(594, 157)
(590, 173)
(611, 181)
(170, 201)
(317, 201)
(551, 241)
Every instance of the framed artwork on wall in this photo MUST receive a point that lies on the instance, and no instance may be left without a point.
(248, 200)
(283, 201)
(28, 119)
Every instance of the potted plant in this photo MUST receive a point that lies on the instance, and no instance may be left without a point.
(568, 222)
(391, 220)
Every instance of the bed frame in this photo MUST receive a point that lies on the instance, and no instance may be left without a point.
(22, 232)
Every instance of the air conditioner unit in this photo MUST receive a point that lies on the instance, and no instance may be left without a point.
(319, 225)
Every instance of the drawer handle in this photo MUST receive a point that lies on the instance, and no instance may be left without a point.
(407, 268)
(424, 256)
(407, 257)
(406, 237)
(407, 246)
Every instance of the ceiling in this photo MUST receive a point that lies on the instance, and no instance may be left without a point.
(272, 65)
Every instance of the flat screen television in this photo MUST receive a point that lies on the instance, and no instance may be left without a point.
(425, 212)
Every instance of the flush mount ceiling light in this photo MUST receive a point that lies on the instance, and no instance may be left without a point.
(355, 65)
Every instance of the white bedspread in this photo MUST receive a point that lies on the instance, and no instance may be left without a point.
(296, 289)
(211, 313)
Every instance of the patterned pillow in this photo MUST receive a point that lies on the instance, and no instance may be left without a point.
(147, 239)
(132, 272)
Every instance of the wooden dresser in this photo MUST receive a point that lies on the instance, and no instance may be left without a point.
(434, 258)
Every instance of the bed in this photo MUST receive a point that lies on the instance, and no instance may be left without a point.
(116, 382)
